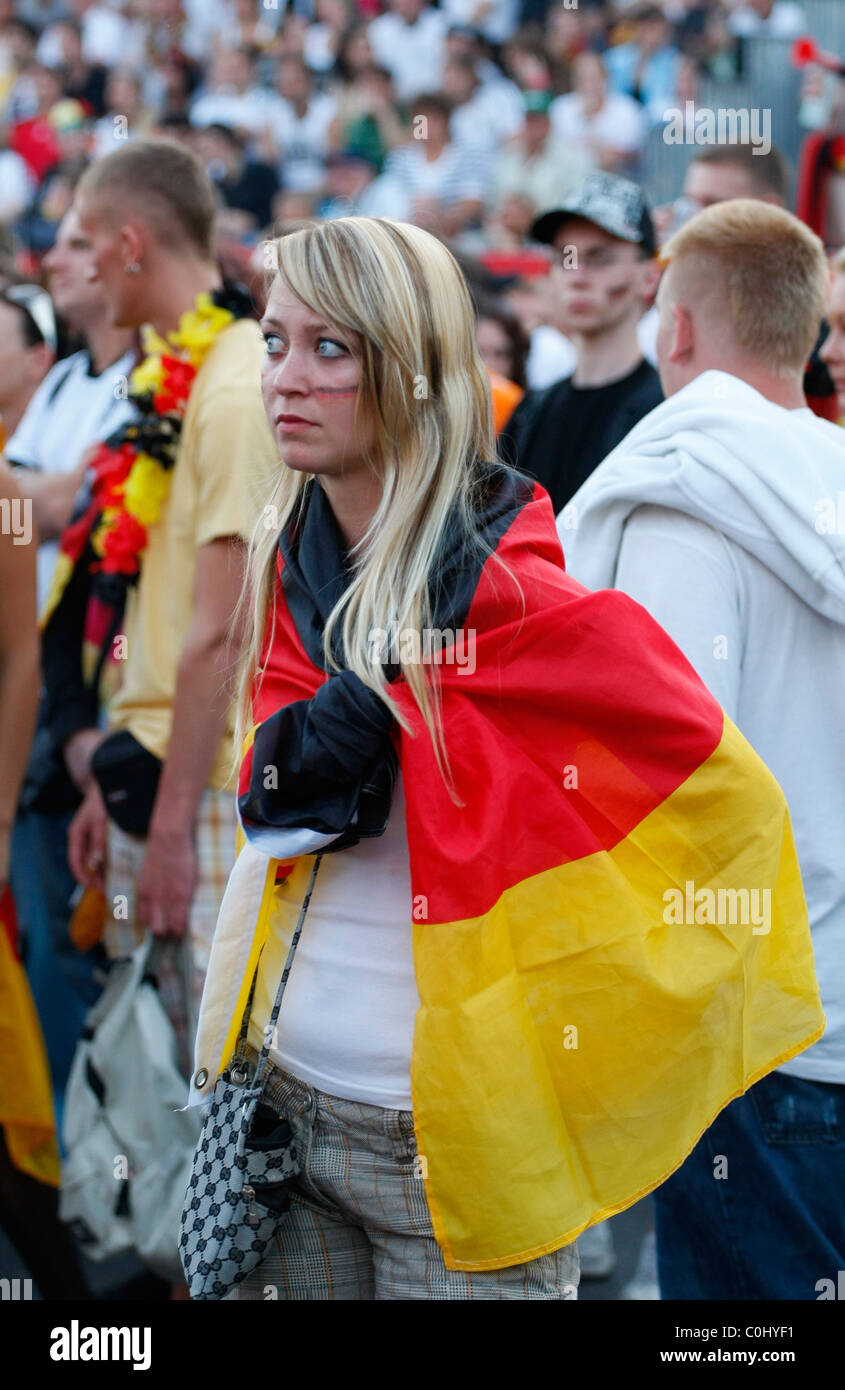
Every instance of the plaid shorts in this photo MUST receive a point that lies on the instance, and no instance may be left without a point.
(359, 1225)
(216, 829)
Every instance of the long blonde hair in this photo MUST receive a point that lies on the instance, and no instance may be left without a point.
(425, 386)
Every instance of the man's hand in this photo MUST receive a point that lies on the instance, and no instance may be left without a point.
(167, 883)
(86, 841)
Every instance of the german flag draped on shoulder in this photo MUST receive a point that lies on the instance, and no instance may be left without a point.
(609, 930)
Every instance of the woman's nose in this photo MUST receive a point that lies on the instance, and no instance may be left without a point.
(290, 373)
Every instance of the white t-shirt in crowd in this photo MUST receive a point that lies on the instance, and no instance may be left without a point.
(346, 1025)
(412, 53)
(17, 186)
(493, 114)
(253, 110)
(304, 141)
(71, 410)
(620, 124)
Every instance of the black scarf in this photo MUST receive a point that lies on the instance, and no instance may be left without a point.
(333, 754)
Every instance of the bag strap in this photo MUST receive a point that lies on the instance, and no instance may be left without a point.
(271, 1024)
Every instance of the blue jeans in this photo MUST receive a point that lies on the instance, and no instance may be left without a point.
(60, 977)
(758, 1208)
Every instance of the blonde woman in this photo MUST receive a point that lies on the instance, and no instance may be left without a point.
(490, 1037)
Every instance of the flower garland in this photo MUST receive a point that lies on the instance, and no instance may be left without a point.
(132, 470)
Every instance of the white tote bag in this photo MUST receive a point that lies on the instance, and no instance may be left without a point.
(129, 1144)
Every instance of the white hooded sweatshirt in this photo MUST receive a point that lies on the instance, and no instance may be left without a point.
(724, 515)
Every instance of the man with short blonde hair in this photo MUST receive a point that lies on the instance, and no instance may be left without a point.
(147, 211)
(745, 283)
(721, 513)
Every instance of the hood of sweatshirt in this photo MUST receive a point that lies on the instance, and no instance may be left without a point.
(770, 479)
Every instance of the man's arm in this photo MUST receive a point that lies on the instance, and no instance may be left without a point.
(204, 689)
(682, 571)
(52, 496)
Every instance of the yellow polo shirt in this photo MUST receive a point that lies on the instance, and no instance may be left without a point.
(223, 477)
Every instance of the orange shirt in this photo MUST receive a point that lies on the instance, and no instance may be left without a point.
(506, 397)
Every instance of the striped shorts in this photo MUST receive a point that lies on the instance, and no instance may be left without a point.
(359, 1225)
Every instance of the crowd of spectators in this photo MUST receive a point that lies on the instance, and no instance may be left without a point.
(469, 118)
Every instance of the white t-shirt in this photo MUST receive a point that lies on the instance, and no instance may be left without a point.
(346, 1024)
(253, 110)
(620, 124)
(70, 411)
(304, 141)
(493, 114)
(412, 53)
(17, 186)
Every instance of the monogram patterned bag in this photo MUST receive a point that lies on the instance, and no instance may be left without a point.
(244, 1164)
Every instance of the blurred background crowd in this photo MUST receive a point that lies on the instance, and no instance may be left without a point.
(469, 118)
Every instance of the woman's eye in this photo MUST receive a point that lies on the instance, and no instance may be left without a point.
(274, 343)
(336, 349)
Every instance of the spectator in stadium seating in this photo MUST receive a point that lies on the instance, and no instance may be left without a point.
(483, 114)
(125, 115)
(368, 119)
(17, 186)
(324, 37)
(646, 68)
(537, 164)
(232, 96)
(82, 79)
(526, 61)
(609, 127)
(108, 36)
(27, 351)
(34, 137)
(301, 127)
(447, 183)
(409, 40)
(354, 53)
(502, 340)
(495, 20)
(18, 41)
(242, 183)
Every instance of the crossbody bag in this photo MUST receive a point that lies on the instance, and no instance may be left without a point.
(244, 1165)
